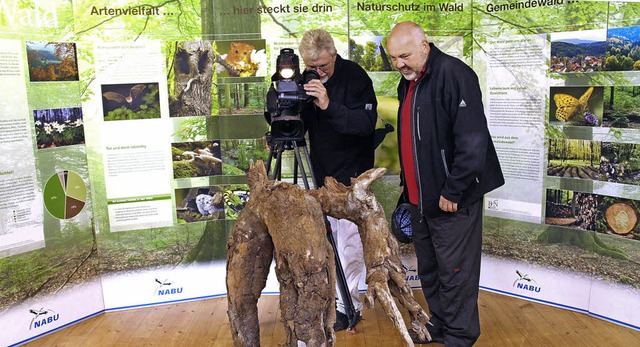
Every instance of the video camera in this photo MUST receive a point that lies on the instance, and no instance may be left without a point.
(287, 96)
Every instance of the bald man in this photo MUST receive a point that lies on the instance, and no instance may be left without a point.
(448, 162)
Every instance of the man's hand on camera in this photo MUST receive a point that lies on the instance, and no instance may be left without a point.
(316, 89)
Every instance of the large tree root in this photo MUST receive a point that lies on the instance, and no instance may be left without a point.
(249, 255)
(287, 221)
(385, 273)
(304, 263)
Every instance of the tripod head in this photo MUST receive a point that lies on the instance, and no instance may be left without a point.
(284, 144)
(299, 148)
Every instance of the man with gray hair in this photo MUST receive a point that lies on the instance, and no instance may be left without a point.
(340, 121)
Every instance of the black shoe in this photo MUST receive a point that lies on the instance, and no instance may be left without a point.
(436, 337)
(342, 321)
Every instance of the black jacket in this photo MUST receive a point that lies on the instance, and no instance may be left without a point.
(453, 151)
(341, 137)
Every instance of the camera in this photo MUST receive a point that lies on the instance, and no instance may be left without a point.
(287, 97)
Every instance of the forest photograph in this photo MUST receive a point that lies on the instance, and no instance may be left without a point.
(58, 127)
(199, 204)
(196, 159)
(578, 159)
(621, 107)
(52, 61)
(580, 106)
(571, 209)
(239, 156)
(242, 98)
(620, 163)
(623, 49)
(369, 52)
(130, 101)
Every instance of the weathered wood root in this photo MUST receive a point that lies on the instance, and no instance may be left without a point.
(285, 218)
(385, 273)
(249, 255)
(282, 217)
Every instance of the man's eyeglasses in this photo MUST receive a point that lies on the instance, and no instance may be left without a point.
(323, 67)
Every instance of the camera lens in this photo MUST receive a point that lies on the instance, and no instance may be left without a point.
(309, 75)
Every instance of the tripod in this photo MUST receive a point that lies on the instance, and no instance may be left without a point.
(299, 147)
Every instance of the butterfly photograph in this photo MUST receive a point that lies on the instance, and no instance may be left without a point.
(130, 101)
(576, 105)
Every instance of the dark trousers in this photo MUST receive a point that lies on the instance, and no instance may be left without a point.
(448, 249)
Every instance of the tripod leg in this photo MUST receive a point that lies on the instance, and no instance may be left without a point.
(295, 172)
(271, 151)
(341, 280)
(277, 171)
(298, 162)
(308, 158)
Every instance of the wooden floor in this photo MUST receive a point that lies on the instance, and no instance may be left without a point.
(505, 321)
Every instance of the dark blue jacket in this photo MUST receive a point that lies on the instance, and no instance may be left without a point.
(453, 152)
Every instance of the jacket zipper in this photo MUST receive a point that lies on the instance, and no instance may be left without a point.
(444, 161)
(418, 123)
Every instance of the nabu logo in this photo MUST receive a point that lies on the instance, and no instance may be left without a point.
(525, 282)
(412, 273)
(42, 317)
(165, 288)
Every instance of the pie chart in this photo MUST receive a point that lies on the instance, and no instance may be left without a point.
(65, 194)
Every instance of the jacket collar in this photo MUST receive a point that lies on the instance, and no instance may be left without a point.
(336, 69)
(434, 54)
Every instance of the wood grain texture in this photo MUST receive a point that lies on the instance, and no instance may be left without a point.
(505, 321)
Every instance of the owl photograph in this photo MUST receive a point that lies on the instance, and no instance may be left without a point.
(198, 204)
(576, 105)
